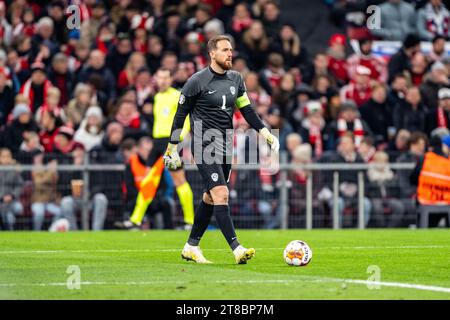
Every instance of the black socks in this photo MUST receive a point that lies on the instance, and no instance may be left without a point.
(202, 217)
(223, 218)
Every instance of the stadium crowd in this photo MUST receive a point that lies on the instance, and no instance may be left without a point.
(67, 95)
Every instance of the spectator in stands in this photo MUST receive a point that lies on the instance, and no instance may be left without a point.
(417, 145)
(401, 61)
(90, 26)
(410, 113)
(255, 45)
(29, 148)
(128, 75)
(377, 113)
(108, 151)
(119, 54)
(383, 190)
(238, 17)
(377, 66)
(270, 76)
(397, 20)
(271, 19)
(359, 89)
(289, 45)
(256, 93)
(348, 183)
(399, 145)
(439, 117)
(349, 120)
(277, 122)
(312, 130)
(37, 86)
(438, 52)
(319, 67)
(398, 89)
(433, 20)
(192, 51)
(419, 67)
(293, 140)
(437, 79)
(337, 63)
(302, 94)
(6, 97)
(73, 200)
(282, 94)
(78, 106)
(96, 65)
(131, 120)
(61, 77)
(49, 125)
(367, 149)
(44, 197)
(11, 183)
(63, 142)
(15, 132)
(51, 104)
(154, 52)
(90, 133)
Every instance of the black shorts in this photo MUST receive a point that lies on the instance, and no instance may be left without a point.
(214, 174)
(158, 150)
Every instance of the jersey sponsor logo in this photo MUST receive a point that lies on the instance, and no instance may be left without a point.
(233, 90)
(182, 99)
(211, 92)
(214, 177)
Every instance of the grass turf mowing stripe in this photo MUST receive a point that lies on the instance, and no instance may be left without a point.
(268, 281)
(206, 249)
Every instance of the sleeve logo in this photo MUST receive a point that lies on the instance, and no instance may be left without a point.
(233, 90)
(182, 99)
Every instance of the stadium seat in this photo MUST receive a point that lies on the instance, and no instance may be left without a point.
(426, 210)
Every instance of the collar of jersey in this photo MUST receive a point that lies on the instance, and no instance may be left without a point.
(216, 73)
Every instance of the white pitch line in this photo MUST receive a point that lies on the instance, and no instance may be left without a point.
(302, 279)
(224, 249)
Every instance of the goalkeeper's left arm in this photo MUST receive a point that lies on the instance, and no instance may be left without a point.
(252, 118)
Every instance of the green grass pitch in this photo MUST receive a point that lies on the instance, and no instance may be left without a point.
(413, 264)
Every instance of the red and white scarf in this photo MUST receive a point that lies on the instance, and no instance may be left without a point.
(358, 130)
(437, 22)
(441, 118)
(26, 91)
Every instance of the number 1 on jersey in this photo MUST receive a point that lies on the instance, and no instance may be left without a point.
(224, 101)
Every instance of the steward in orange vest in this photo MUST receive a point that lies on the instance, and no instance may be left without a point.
(432, 178)
(136, 171)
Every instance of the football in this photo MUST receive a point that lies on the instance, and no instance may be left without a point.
(297, 253)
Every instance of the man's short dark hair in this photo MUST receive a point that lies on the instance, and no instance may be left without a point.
(416, 137)
(164, 69)
(212, 43)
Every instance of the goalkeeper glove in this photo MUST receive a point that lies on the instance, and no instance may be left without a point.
(271, 140)
(171, 157)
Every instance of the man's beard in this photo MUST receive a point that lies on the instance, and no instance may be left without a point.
(224, 64)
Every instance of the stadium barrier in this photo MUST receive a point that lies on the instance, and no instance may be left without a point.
(315, 195)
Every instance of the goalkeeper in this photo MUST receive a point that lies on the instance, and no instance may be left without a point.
(210, 97)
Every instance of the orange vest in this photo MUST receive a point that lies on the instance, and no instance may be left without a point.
(434, 180)
(139, 170)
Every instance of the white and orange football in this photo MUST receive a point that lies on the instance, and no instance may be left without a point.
(297, 253)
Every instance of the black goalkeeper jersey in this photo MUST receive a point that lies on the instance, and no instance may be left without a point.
(210, 99)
